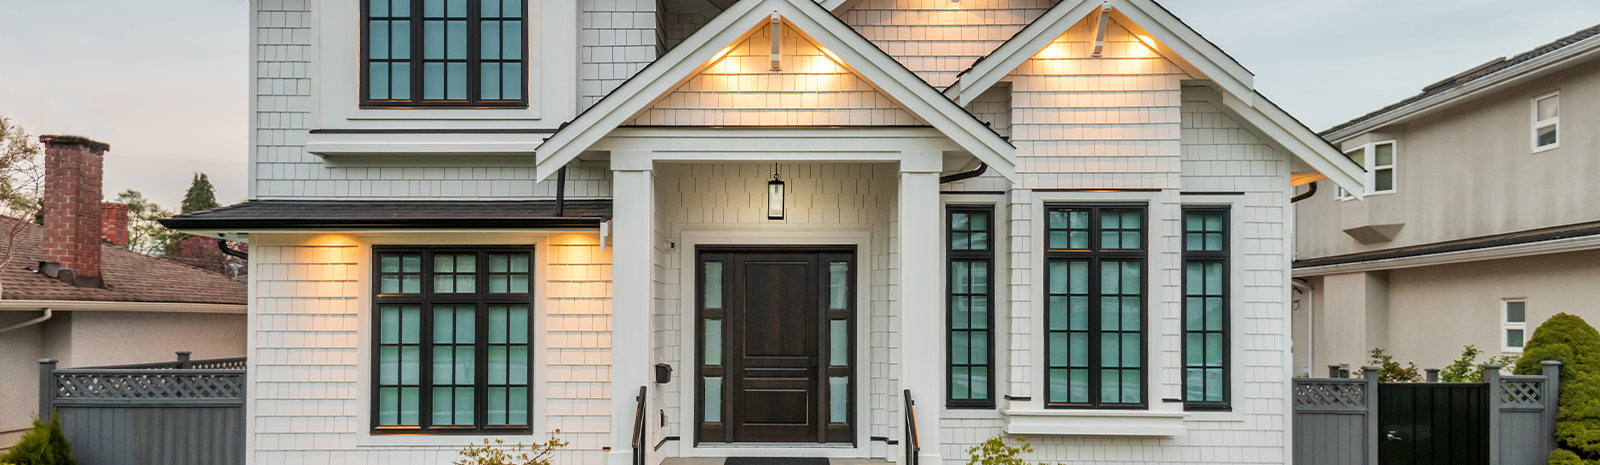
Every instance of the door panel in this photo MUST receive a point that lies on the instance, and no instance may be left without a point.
(1433, 423)
(773, 320)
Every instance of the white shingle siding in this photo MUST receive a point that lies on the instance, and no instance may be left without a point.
(740, 89)
(577, 377)
(617, 39)
(938, 39)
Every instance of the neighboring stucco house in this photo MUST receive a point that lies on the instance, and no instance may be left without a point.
(1481, 220)
(475, 218)
(73, 291)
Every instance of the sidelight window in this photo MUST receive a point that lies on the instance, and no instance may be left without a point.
(453, 330)
(1513, 326)
(1095, 315)
(970, 301)
(1205, 308)
(467, 53)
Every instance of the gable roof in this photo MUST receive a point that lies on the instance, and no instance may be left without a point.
(1494, 68)
(129, 277)
(1188, 50)
(821, 27)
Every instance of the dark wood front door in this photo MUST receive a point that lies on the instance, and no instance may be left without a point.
(783, 319)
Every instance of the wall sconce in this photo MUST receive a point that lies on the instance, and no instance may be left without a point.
(775, 196)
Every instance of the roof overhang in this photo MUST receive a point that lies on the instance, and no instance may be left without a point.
(1543, 65)
(849, 48)
(314, 215)
(1559, 239)
(121, 306)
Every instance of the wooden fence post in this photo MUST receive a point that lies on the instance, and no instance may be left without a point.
(47, 388)
(183, 359)
(1552, 402)
(1433, 374)
(1371, 375)
(1491, 375)
(1333, 371)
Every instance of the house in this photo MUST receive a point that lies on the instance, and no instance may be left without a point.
(73, 292)
(1478, 222)
(688, 228)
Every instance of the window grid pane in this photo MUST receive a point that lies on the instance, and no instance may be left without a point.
(1094, 319)
(969, 300)
(471, 52)
(509, 364)
(399, 345)
(1205, 310)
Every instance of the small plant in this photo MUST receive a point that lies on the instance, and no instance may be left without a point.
(1467, 369)
(44, 445)
(496, 453)
(1390, 371)
(995, 451)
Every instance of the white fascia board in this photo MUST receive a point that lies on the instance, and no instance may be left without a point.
(1566, 57)
(1575, 244)
(690, 57)
(1284, 131)
(834, 144)
(1174, 40)
(107, 306)
(837, 5)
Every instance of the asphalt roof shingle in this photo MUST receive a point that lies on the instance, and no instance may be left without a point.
(129, 277)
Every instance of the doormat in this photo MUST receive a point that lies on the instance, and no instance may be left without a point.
(776, 461)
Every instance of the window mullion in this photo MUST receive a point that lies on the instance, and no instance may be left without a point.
(474, 52)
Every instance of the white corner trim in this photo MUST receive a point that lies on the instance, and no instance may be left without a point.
(109, 306)
(1575, 244)
(1126, 423)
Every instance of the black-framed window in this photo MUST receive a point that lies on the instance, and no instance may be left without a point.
(1095, 318)
(1205, 308)
(970, 304)
(444, 53)
(452, 331)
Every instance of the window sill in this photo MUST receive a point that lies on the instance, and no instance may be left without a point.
(368, 145)
(445, 440)
(1547, 148)
(1126, 423)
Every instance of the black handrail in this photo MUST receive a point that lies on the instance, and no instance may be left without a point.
(913, 444)
(638, 430)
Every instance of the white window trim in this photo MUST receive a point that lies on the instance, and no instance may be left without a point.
(1533, 133)
(1368, 163)
(1506, 326)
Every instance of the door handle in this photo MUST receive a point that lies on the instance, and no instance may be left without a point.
(1392, 437)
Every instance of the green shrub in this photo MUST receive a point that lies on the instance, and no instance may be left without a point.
(496, 453)
(1568, 339)
(1390, 371)
(44, 445)
(1467, 369)
(995, 451)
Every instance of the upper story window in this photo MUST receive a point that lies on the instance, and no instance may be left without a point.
(1378, 159)
(1513, 325)
(1546, 121)
(452, 331)
(444, 53)
(1095, 314)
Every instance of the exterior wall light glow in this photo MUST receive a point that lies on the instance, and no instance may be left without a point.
(775, 197)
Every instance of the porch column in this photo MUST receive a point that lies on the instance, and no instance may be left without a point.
(921, 312)
(633, 211)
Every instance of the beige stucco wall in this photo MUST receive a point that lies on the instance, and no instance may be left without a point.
(1433, 311)
(1470, 171)
(19, 392)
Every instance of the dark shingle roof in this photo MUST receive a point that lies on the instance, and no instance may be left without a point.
(326, 214)
(129, 277)
(1461, 245)
(1479, 72)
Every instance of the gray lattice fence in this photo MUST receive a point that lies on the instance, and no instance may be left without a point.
(148, 416)
(1524, 417)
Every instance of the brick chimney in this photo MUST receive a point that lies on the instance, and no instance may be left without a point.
(72, 229)
(114, 223)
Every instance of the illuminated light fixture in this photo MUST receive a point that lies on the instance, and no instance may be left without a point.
(777, 40)
(775, 196)
(1100, 37)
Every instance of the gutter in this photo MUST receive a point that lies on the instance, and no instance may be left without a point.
(118, 306)
(47, 315)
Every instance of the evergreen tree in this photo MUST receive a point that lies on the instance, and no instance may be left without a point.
(201, 196)
(44, 445)
(1570, 340)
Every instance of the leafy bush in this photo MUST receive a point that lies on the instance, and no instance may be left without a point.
(1390, 371)
(995, 451)
(44, 445)
(1466, 369)
(497, 454)
(1570, 340)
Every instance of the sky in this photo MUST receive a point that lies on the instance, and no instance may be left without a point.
(165, 81)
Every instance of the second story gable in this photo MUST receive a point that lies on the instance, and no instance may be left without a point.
(1498, 149)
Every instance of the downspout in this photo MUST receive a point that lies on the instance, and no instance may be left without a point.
(1304, 287)
(222, 244)
(1305, 195)
(982, 168)
(561, 191)
(47, 315)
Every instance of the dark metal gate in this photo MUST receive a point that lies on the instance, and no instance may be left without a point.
(175, 413)
(1433, 423)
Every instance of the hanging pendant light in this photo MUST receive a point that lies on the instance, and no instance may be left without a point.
(775, 196)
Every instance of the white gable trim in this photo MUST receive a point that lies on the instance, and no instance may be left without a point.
(852, 50)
